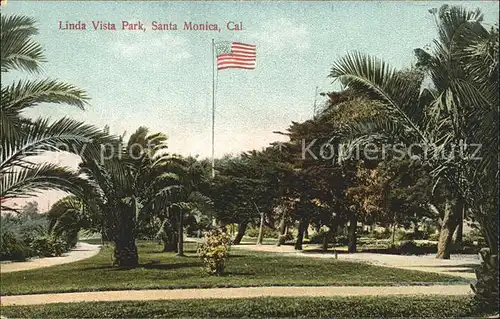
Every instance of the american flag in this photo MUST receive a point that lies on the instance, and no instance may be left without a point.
(235, 55)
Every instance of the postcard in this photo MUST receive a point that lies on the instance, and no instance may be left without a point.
(249, 159)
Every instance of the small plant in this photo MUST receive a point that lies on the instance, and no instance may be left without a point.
(214, 251)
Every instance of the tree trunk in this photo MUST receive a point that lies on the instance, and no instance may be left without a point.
(393, 234)
(242, 227)
(458, 236)
(169, 237)
(282, 231)
(351, 233)
(261, 226)
(180, 245)
(303, 224)
(325, 241)
(448, 226)
(415, 228)
(125, 252)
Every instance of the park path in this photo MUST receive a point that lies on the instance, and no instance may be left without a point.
(231, 293)
(81, 251)
(459, 265)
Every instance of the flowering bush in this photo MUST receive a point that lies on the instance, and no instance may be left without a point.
(214, 251)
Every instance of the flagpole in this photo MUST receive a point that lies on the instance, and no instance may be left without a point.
(213, 108)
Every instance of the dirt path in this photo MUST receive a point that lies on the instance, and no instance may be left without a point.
(459, 265)
(81, 251)
(231, 293)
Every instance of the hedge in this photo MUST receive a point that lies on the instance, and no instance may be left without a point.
(311, 307)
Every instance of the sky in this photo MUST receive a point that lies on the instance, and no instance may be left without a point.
(163, 79)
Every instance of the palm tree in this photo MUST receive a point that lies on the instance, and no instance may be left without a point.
(69, 215)
(23, 137)
(184, 196)
(460, 105)
(126, 187)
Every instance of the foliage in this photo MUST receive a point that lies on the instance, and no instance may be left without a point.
(12, 247)
(130, 185)
(384, 234)
(48, 245)
(474, 236)
(266, 231)
(456, 108)
(317, 238)
(244, 188)
(262, 307)
(29, 234)
(486, 287)
(23, 137)
(68, 216)
(214, 251)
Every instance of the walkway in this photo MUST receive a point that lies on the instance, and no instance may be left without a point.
(81, 251)
(231, 293)
(459, 265)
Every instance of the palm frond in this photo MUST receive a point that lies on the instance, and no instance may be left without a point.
(63, 135)
(369, 75)
(24, 94)
(18, 50)
(27, 182)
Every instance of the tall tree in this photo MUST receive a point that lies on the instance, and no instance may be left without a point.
(126, 186)
(459, 106)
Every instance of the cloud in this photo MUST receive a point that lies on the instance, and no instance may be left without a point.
(282, 34)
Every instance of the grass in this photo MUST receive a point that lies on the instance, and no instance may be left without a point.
(310, 307)
(165, 270)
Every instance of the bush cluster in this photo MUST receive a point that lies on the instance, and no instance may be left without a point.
(266, 232)
(339, 240)
(409, 247)
(214, 251)
(474, 237)
(47, 245)
(385, 234)
(26, 236)
(13, 248)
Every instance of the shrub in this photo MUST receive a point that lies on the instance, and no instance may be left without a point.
(266, 232)
(214, 251)
(385, 234)
(13, 248)
(317, 238)
(373, 243)
(25, 235)
(409, 247)
(46, 245)
(433, 237)
(474, 237)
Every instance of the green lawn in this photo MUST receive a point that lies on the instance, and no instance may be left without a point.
(165, 270)
(309, 307)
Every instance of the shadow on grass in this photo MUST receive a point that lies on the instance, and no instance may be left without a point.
(471, 270)
(328, 252)
(457, 266)
(170, 266)
(149, 265)
(237, 273)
